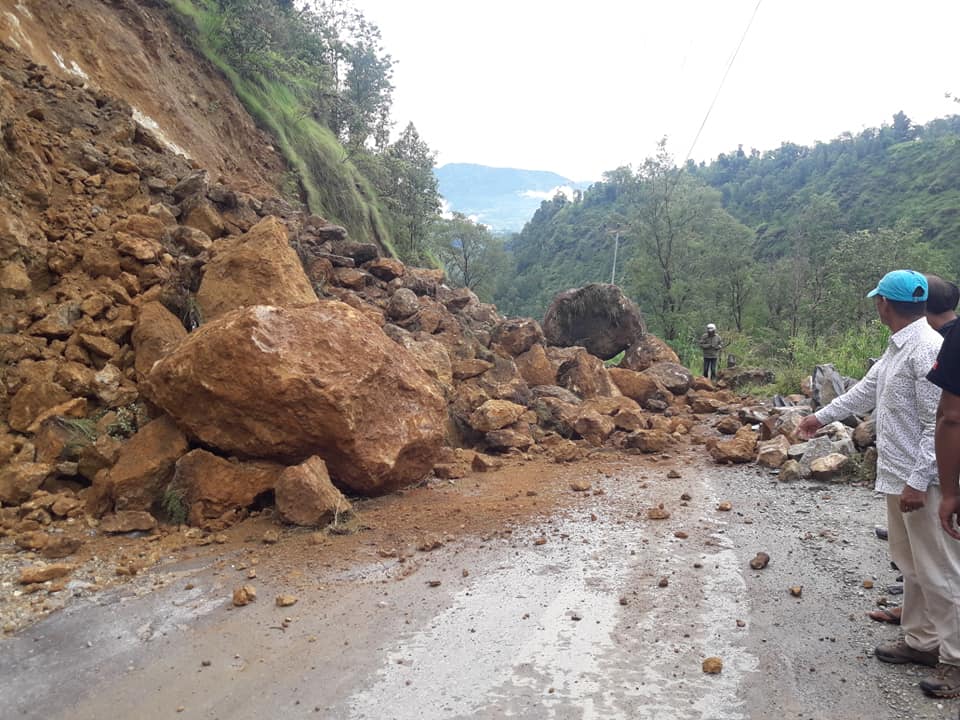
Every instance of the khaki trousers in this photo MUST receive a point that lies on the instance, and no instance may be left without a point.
(930, 562)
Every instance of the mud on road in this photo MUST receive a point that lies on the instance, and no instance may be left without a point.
(508, 595)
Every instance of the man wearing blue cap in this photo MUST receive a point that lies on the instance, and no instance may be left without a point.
(904, 404)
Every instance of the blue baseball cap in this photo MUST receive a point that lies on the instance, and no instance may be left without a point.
(902, 286)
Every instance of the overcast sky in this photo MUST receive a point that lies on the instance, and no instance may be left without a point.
(583, 87)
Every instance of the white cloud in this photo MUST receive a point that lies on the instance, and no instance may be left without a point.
(564, 190)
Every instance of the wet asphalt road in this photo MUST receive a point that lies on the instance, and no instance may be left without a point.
(574, 627)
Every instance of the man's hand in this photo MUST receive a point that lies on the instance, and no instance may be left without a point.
(808, 426)
(912, 499)
(949, 514)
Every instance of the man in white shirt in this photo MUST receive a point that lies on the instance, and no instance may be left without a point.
(905, 405)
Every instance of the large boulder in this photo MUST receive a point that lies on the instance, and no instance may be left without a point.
(258, 268)
(289, 383)
(211, 487)
(649, 349)
(598, 317)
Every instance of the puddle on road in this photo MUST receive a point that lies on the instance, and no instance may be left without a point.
(482, 657)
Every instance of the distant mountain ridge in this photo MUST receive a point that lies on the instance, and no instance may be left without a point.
(502, 198)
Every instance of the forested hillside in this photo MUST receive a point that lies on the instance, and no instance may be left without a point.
(778, 248)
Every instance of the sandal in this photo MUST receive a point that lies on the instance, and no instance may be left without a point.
(886, 615)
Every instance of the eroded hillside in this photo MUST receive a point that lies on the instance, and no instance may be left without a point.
(138, 56)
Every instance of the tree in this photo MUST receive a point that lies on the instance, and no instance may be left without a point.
(409, 188)
(669, 220)
(473, 258)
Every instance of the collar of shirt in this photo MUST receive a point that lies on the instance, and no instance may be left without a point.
(905, 335)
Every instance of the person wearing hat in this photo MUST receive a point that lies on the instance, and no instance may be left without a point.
(711, 344)
(904, 404)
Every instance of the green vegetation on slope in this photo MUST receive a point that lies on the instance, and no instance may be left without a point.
(773, 250)
(318, 81)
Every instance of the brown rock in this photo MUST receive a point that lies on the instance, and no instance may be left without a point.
(99, 345)
(122, 186)
(14, 279)
(495, 414)
(648, 441)
(125, 521)
(594, 427)
(466, 369)
(586, 376)
(101, 260)
(290, 383)
(258, 268)
(517, 335)
(703, 404)
(147, 226)
(403, 304)
(305, 495)
(796, 590)
(43, 573)
(61, 546)
(673, 376)
(728, 425)
(192, 240)
(286, 600)
(502, 382)
(157, 333)
(865, 433)
(657, 513)
(641, 388)
(564, 451)
(351, 278)
(760, 561)
(32, 540)
(741, 449)
(386, 269)
(244, 595)
(713, 666)
(535, 366)
(648, 350)
(19, 480)
(206, 219)
(485, 463)
(211, 486)
(141, 249)
(508, 438)
(790, 471)
(75, 377)
(33, 399)
(829, 467)
(144, 466)
(773, 453)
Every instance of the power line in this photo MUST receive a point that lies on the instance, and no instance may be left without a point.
(722, 81)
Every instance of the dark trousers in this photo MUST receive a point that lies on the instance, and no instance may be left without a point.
(710, 368)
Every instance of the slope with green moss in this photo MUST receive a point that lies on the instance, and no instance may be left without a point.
(331, 183)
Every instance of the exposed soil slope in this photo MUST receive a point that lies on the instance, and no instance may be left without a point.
(140, 57)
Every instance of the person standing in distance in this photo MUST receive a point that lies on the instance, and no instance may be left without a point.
(711, 344)
(905, 405)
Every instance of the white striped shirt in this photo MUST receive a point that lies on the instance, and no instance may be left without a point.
(906, 408)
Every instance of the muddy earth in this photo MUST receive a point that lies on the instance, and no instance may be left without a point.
(537, 591)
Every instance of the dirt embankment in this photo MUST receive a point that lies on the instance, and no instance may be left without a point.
(139, 56)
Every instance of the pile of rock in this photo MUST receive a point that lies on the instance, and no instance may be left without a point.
(173, 348)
